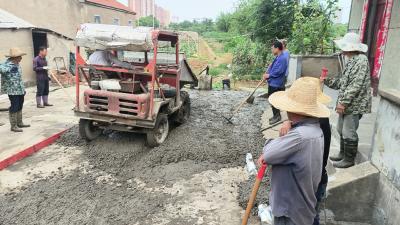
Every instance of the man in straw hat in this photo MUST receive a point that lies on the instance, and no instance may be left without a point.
(296, 158)
(13, 85)
(326, 130)
(354, 98)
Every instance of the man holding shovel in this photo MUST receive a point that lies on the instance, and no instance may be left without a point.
(326, 130)
(296, 158)
(276, 77)
(42, 78)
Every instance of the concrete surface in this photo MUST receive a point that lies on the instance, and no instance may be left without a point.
(356, 15)
(387, 203)
(353, 188)
(192, 178)
(62, 16)
(44, 122)
(21, 38)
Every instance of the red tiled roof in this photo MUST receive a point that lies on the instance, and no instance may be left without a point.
(111, 3)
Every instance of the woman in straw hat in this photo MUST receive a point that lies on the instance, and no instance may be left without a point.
(326, 130)
(13, 85)
(354, 98)
(296, 158)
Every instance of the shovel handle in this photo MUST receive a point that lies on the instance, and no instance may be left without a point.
(253, 195)
(244, 101)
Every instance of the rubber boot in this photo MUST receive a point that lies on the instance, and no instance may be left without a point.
(46, 101)
(39, 102)
(340, 155)
(350, 153)
(21, 124)
(13, 122)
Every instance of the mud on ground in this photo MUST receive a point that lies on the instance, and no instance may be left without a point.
(192, 178)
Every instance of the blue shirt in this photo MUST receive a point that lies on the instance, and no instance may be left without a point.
(296, 161)
(277, 71)
(286, 54)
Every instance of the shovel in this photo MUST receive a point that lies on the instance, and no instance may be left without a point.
(253, 195)
(249, 100)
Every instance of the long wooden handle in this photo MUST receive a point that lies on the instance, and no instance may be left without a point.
(62, 87)
(253, 195)
(244, 101)
(259, 84)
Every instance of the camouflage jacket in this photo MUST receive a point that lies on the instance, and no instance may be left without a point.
(11, 79)
(354, 86)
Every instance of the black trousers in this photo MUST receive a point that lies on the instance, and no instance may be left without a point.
(42, 88)
(326, 130)
(272, 90)
(17, 102)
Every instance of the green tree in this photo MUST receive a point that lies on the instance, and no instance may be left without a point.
(313, 29)
(148, 21)
(223, 22)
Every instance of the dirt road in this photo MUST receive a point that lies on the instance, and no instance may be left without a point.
(192, 178)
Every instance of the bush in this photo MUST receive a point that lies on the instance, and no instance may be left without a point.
(215, 71)
(250, 59)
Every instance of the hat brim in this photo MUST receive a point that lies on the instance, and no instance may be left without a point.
(13, 56)
(349, 47)
(281, 101)
(324, 99)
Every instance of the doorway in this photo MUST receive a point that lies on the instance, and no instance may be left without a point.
(376, 13)
(39, 39)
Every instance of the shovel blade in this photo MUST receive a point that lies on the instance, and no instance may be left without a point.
(250, 100)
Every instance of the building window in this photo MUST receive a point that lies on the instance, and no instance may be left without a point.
(130, 23)
(116, 21)
(97, 19)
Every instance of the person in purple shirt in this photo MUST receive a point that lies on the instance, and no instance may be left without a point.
(286, 54)
(276, 77)
(42, 78)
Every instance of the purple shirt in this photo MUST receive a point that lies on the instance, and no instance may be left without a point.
(277, 71)
(296, 161)
(38, 64)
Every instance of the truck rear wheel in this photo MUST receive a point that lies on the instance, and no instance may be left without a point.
(87, 130)
(183, 114)
(157, 136)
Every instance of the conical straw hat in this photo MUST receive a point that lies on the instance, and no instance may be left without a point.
(321, 97)
(300, 98)
(15, 52)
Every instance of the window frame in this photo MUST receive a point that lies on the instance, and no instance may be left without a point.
(99, 18)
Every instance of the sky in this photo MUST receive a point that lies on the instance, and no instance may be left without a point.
(193, 9)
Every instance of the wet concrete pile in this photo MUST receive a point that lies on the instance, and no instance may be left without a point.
(104, 189)
(245, 189)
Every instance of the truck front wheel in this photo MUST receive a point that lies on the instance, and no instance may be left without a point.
(159, 133)
(183, 114)
(87, 130)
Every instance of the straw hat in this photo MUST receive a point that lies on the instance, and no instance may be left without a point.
(15, 52)
(321, 97)
(300, 98)
(351, 42)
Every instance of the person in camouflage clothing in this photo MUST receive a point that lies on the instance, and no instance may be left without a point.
(354, 98)
(13, 86)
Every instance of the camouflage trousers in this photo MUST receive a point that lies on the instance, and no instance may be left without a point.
(347, 126)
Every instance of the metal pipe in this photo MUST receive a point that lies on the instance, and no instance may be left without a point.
(77, 77)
